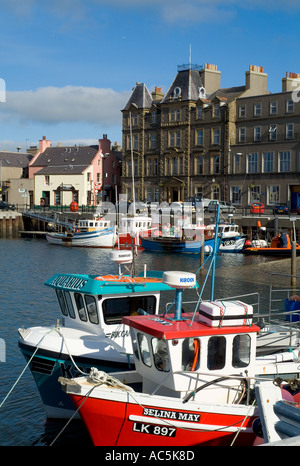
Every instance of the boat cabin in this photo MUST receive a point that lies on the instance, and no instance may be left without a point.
(134, 225)
(173, 353)
(226, 230)
(92, 225)
(97, 303)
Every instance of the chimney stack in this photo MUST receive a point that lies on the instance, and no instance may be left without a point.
(211, 78)
(256, 81)
(291, 82)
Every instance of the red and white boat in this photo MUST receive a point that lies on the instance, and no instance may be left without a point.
(192, 379)
(131, 228)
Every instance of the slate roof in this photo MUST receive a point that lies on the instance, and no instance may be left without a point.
(14, 159)
(186, 84)
(140, 97)
(65, 160)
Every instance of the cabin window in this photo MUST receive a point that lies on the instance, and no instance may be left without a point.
(144, 349)
(65, 303)
(91, 309)
(216, 352)
(115, 308)
(241, 351)
(134, 343)
(160, 354)
(190, 354)
(80, 307)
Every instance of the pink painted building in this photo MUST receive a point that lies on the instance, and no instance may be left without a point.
(84, 174)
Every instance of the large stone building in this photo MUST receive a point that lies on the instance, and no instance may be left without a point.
(237, 144)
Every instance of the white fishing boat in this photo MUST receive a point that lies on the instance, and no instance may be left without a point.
(89, 332)
(131, 228)
(97, 233)
(231, 239)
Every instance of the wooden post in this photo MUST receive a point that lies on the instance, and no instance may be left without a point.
(294, 265)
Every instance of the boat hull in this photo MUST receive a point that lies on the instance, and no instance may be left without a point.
(169, 244)
(137, 420)
(47, 366)
(105, 238)
(232, 245)
(282, 252)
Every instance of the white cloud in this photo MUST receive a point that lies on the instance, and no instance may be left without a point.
(54, 105)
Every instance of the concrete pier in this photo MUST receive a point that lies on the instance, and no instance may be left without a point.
(11, 223)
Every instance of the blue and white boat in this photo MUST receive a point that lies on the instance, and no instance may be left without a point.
(231, 239)
(94, 233)
(91, 333)
(181, 244)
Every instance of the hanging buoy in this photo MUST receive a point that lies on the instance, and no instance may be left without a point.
(258, 223)
(73, 206)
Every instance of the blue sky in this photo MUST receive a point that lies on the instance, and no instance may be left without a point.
(69, 66)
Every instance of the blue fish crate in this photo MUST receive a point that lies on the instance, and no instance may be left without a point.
(290, 306)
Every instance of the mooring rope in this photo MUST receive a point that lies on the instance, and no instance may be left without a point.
(26, 366)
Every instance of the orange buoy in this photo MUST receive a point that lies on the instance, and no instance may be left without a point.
(73, 206)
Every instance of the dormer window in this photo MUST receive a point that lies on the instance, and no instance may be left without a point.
(202, 93)
(177, 92)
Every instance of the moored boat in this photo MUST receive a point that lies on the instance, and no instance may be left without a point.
(232, 240)
(90, 333)
(180, 244)
(131, 228)
(192, 383)
(276, 248)
(97, 233)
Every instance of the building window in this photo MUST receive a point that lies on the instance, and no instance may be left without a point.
(178, 114)
(155, 167)
(200, 112)
(216, 136)
(289, 106)
(153, 117)
(289, 131)
(273, 108)
(257, 110)
(175, 166)
(272, 132)
(88, 177)
(216, 164)
(242, 134)
(199, 165)
(273, 194)
(242, 111)
(237, 163)
(156, 194)
(47, 180)
(285, 161)
(257, 133)
(254, 193)
(216, 110)
(153, 141)
(168, 166)
(129, 168)
(181, 165)
(268, 162)
(236, 195)
(174, 139)
(252, 163)
(172, 115)
(150, 167)
(135, 142)
(135, 119)
(199, 137)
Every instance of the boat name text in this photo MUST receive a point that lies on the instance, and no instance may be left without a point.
(68, 282)
(178, 415)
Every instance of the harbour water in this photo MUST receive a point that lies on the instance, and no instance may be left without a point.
(25, 302)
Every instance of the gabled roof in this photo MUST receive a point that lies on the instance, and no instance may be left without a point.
(140, 97)
(229, 93)
(67, 160)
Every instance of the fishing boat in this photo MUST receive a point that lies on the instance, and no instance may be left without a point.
(181, 243)
(90, 333)
(131, 228)
(274, 249)
(193, 376)
(96, 233)
(231, 239)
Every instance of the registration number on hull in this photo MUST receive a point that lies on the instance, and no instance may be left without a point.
(154, 429)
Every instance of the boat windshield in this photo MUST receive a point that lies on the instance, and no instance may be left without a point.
(115, 308)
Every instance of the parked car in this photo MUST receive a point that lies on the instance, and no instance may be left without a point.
(7, 206)
(280, 209)
(225, 207)
(257, 208)
(196, 202)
